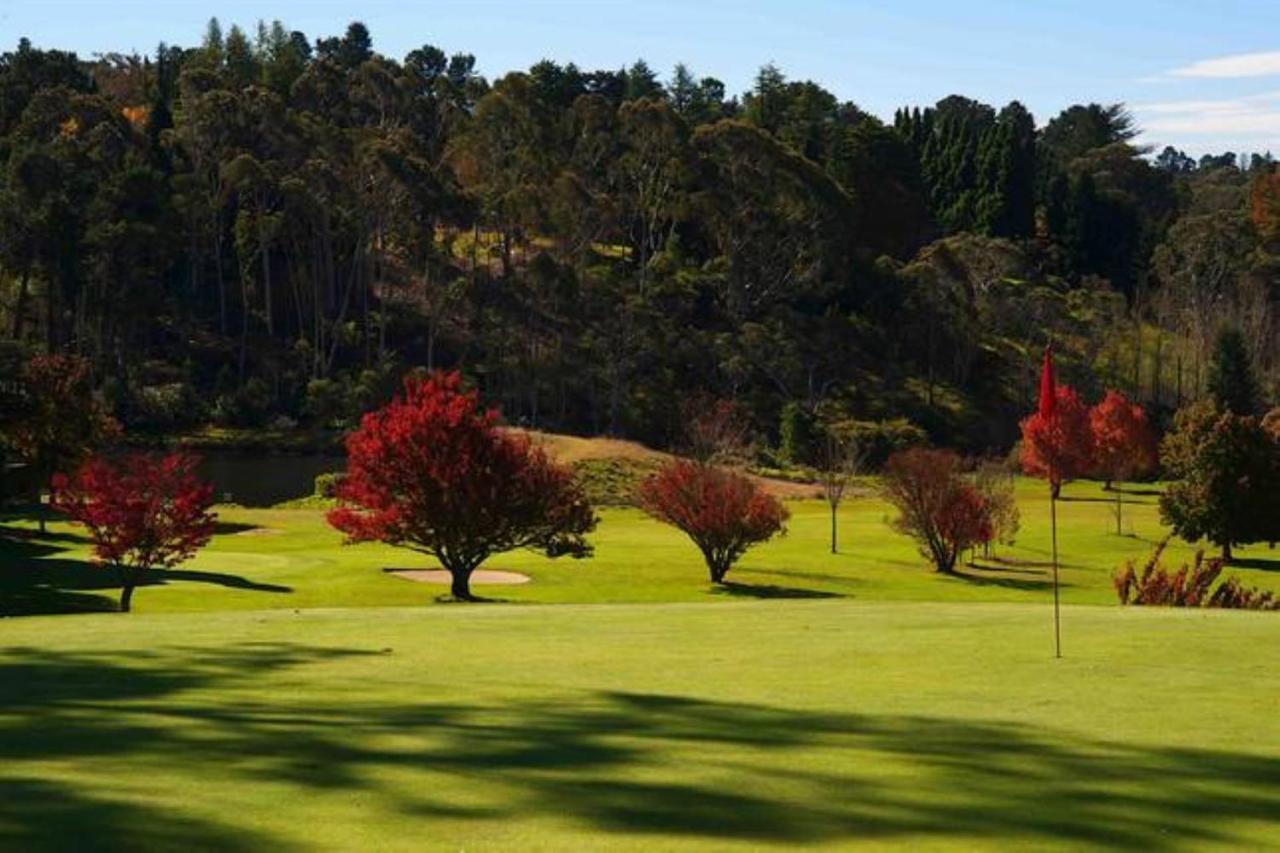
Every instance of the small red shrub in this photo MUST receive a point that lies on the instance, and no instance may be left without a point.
(723, 512)
(1190, 586)
(936, 506)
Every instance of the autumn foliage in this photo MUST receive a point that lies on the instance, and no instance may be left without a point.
(723, 512)
(1058, 448)
(432, 471)
(936, 505)
(144, 513)
(1190, 586)
(1124, 445)
(1264, 206)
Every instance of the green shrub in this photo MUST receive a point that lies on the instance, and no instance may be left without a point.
(173, 405)
(327, 402)
(247, 406)
(327, 484)
(612, 482)
(879, 440)
(797, 434)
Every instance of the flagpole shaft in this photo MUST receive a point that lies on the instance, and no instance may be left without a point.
(1057, 621)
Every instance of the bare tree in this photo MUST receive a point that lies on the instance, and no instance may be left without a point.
(717, 432)
(840, 460)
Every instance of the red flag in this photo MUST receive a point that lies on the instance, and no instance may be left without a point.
(1048, 390)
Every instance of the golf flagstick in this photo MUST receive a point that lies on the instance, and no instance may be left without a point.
(1049, 413)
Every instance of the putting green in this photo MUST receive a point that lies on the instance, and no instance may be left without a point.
(655, 726)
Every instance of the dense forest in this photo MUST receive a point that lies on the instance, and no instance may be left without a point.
(270, 229)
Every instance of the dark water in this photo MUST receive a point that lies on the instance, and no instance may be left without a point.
(258, 479)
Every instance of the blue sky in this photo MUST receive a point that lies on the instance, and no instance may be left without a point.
(1204, 76)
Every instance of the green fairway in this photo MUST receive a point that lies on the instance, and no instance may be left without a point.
(641, 727)
(308, 706)
(292, 559)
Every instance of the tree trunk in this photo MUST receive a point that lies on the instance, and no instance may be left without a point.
(1119, 510)
(833, 528)
(1226, 552)
(460, 586)
(268, 298)
(20, 308)
(126, 597)
(1055, 489)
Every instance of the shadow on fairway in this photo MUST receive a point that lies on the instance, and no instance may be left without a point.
(34, 581)
(1262, 564)
(231, 528)
(974, 576)
(612, 762)
(766, 591)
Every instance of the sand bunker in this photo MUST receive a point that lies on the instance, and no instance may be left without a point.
(480, 577)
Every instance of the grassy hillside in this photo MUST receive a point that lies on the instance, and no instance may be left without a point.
(292, 559)
(945, 726)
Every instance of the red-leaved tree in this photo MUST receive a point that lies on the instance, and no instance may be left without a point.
(1124, 444)
(723, 512)
(936, 505)
(433, 472)
(144, 513)
(1058, 448)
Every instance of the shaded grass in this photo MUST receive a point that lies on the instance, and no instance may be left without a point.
(778, 723)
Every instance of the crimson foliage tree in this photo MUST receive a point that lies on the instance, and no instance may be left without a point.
(723, 512)
(937, 507)
(432, 471)
(144, 513)
(1123, 443)
(1060, 447)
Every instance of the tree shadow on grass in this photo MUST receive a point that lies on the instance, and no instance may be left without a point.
(1261, 564)
(1130, 499)
(1027, 584)
(41, 815)
(34, 581)
(231, 528)
(1009, 564)
(629, 763)
(33, 534)
(767, 591)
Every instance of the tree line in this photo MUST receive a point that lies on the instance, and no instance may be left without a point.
(269, 228)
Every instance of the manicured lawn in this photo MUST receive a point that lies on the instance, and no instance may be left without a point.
(641, 727)
(854, 699)
(292, 559)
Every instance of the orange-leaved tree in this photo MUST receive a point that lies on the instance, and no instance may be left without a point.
(1124, 445)
(433, 471)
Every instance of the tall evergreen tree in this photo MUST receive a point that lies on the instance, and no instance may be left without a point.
(1231, 378)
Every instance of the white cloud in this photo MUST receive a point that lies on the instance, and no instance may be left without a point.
(1245, 123)
(1264, 64)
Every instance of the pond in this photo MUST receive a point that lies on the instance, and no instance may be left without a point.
(260, 479)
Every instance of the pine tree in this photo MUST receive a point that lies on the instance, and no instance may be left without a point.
(1231, 378)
